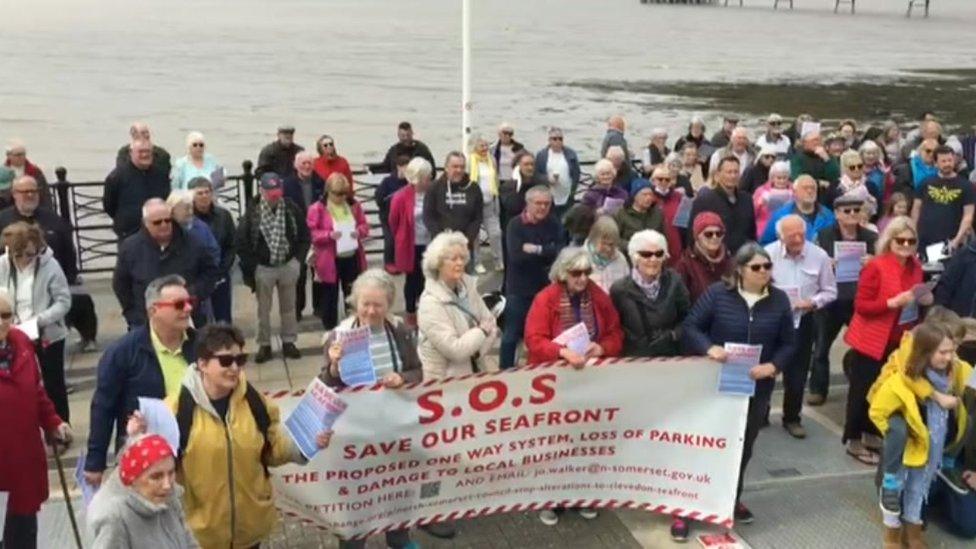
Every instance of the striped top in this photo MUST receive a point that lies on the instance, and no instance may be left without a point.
(381, 352)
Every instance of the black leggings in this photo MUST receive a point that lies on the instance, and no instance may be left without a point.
(347, 269)
(20, 532)
(51, 359)
(414, 285)
(755, 417)
(862, 371)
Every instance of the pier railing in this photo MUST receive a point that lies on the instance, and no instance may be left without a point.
(80, 204)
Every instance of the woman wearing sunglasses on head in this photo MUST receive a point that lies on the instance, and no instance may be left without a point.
(745, 309)
(229, 436)
(886, 304)
(652, 301)
(41, 300)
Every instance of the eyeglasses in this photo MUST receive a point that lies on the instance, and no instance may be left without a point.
(18, 153)
(648, 254)
(856, 167)
(773, 156)
(756, 267)
(178, 304)
(928, 151)
(851, 211)
(197, 145)
(28, 192)
(713, 234)
(905, 241)
(556, 138)
(508, 132)
(775, 123)
(158, 222)
(6, 315)
(661, 179)
(225, 361)
(577, 273)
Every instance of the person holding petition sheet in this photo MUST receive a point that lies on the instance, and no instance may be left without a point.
(392, 348)
(746, 309)
(229, 436)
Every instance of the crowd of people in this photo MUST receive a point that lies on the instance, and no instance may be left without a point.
(669, 251)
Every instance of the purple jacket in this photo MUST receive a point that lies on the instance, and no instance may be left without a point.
(596, 195)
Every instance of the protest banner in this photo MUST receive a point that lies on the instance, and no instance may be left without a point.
(620, 433)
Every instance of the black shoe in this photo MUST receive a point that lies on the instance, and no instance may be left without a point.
(742, 514)
(290, 351)
(443, 530)
(889, 500)
(264, 354)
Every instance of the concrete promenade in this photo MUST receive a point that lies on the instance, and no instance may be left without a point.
(804, 493)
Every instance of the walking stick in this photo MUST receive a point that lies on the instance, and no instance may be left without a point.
(284, 359)
(67, 496)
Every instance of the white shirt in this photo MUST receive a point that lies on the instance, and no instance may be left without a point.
(782, 145)
(25, 294)
(811, 272)
(484, 180)
(557, 165)
(420, 235)
(506, 158)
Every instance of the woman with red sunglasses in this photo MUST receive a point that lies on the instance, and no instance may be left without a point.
(886, 305)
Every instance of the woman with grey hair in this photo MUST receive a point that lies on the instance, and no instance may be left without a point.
(745, 309)
(571, 299)
(652, 301)
(876, 171)
(696, 135)
(603, 245)
(410, 238)
(196, 163)
(854, 184)
(771, 195)
(656, 150)
(457, 331)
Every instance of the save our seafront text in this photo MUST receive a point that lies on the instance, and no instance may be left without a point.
(526, 438)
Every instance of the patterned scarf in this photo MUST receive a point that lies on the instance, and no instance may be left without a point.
(273, 231)
(598, 260)
(650, 289)
(567, 313)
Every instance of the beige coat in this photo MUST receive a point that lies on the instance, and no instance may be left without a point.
(449, 337)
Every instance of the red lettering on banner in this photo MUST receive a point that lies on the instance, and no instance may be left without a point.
(350, 451)
(546, 392)
(426, 402)
(688, 439)
(475, 396)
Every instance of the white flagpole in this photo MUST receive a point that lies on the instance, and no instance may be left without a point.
(465, 74)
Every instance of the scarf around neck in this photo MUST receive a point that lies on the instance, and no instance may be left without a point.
(568, 316)
(937, 420)
(274, 233)
(651, 289)
(719, 258)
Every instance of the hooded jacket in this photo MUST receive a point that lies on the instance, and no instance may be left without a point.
(120, 518)
(455, 207)
(50, 296)
(227, 496)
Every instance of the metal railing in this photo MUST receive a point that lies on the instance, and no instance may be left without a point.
(80, 204)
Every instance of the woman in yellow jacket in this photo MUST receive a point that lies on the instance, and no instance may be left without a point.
(229, 436)
(932, 357)
(484, 174)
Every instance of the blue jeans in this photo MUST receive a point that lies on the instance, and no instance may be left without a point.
(516, 309)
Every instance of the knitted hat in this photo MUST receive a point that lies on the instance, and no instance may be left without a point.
(638, 185)
(705, 220)
(142, 455)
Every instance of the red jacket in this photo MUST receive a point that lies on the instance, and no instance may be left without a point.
(874, 327)
(542, 324)
(328, 166)
(669, 207)
(402, 223)
(320, 225)
(25, 410)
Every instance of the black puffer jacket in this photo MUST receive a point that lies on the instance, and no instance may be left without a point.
(651, 328)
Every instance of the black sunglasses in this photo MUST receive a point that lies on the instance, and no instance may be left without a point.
(856, 167)
(158, 222)
(556, 138)
(756, 267)
(328, 144)
(647, 255)
(577, 273)
(851, 210)
(226, 360)
(905, 241)
(713, 234)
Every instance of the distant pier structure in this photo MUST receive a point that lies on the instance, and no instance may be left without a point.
(912, 4)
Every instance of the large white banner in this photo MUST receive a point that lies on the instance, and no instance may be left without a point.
(646, 434)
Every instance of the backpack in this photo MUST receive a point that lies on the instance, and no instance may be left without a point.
(185, 406)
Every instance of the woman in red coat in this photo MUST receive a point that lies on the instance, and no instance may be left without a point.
(338, 227)
(25, 410)
(410, 238)
(571, 299)
(887, 302)
(329, 161)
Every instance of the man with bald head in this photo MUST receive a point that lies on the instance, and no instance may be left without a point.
(805, 272)
(160, 248)
(139, 131)
(804, 204)
(130, 185)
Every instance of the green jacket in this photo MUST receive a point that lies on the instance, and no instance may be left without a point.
(630, 221)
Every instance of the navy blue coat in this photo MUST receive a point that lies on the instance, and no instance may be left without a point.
(127, 370)
(957, 286)
(292, 188)
(721, 315)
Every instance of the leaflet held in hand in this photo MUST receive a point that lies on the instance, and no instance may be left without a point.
(793, 292)
(356, 364)
(612, 205)
(733, 378)
(682, 217)
(848, 256)
(161, 421)
(316, 412)
(347, 242)
(576, 338)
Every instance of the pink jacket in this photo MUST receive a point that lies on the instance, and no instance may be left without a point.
(320, 225)
(763, 213)
(402, 223)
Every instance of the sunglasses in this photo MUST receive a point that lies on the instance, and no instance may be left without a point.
(178, 304)
(756, 267)
(328, 144)
(158, 222)
(905, 241)
(851, 211)
(775, 123)
(647, 255)
(6, 315)
(507, 132)
(773, 156)
(928, 151)
(713, 234)
(856, 167)
(197, 145)
(227, 360)
(661, 179)
(578, 273)
(555, 138)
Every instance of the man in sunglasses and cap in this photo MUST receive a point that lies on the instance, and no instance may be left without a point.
(160, 248)
(272, 240)
(279, 155)
(149, 361)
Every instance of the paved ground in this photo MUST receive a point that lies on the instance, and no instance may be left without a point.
(805, 494)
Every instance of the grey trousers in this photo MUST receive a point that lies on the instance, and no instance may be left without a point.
(282, 278)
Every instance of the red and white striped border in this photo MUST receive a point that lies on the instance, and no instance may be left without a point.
(477, 512)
